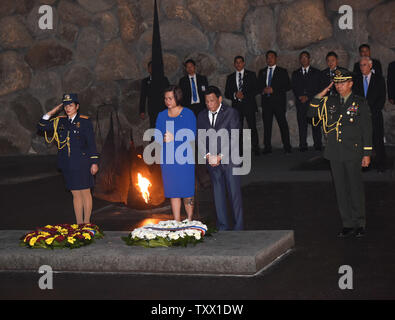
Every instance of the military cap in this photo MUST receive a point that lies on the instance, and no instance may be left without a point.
(342, 75)
(69, 98)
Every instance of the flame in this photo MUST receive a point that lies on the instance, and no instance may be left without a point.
(143, 184)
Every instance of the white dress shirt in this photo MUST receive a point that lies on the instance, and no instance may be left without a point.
(210, 115)
(306, 70)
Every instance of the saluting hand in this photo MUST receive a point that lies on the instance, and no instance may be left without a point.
(55, 110)
(325, 91)
(365, 161)
(94, 169)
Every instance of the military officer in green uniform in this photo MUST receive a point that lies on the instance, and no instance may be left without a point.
(346, 121)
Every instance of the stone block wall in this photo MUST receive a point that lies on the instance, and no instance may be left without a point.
(100, 48)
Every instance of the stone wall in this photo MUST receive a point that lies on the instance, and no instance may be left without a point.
(100, 48)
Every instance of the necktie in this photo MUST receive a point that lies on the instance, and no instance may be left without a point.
(269, 79)
(240, 82)
(213, 119)
(194, 93)
(365, 85)
(341, 100)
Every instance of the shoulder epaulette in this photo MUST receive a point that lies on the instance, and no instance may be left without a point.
(84, 117)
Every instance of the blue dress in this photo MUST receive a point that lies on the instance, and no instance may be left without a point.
(177, 157)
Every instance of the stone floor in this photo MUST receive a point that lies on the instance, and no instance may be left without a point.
(282, 193)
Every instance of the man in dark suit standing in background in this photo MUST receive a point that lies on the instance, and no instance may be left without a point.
(146, 94)
(364, 51)
(273, 84)
(391, 82)
(329, 73)
(306, 83)
(372, 87)
(193, 86)
(220, 165)
(241, 89)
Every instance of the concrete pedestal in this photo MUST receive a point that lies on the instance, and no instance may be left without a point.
(225, 253)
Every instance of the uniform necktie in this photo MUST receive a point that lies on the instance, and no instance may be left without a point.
(240, 82)
(365, 85)
(341, 100)
(194, 92)
(213, 119)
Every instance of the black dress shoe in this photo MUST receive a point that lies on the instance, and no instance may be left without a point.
(346, 232)
(360, 232)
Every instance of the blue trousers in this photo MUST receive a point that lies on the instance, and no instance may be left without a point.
(222, 179)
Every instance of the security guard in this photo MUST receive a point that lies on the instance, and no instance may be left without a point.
(346, 121)
(77, 155)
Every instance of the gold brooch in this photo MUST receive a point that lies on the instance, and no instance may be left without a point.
(78, 124)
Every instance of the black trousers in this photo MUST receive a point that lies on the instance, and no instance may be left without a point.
(347, 177)
(303, 122)
(378, 138)
(249, 114)
(268, 111)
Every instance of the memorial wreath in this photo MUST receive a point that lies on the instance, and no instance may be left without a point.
(168, 233)
(62, 236)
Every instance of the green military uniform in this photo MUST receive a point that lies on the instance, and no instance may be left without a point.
(346, 121)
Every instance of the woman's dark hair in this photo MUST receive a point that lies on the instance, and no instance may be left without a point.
(271, 51)
(304, 52)
(211, 90)
(331, 54)
(177, 93)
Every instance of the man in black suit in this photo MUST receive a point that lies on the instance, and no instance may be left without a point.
(372, 87)
(241, 88)
(146, 94)
(329, 73)
(391, 82)
(273, 84)
(306, 83)
(193, 86)
(364, 51)
(220, 161)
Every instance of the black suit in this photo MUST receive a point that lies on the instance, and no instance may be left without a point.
(376, 67)
(222, 176)
(147, 94)
(275, 104)
(391, 81)
(376, 97)
(306, 85)
(186, 87)
(247, 106)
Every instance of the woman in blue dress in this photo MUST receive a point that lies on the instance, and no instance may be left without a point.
(177, 125)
